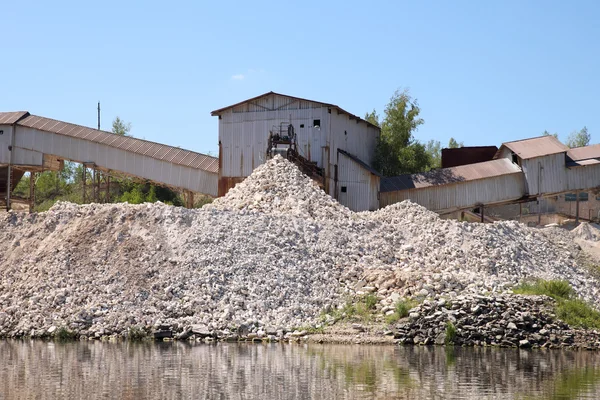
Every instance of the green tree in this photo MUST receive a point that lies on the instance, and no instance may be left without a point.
(121, 127)
(397, 151)
(434, 149)
(372, 117)
(579, 138)
(546, 133)
(453, 144)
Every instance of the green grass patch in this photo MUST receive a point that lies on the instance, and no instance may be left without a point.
(575, 312)
(556, 289)
(401, 309)
(450, 333)
(359, 309)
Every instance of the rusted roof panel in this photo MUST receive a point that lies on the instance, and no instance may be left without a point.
(584, 153)
(445, 176)
(8, 118)
(535, 147)
(159, 151)
(220, 110)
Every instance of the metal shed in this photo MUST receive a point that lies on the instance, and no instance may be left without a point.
(448, 189)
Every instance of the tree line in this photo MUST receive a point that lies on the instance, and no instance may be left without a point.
(399, 152)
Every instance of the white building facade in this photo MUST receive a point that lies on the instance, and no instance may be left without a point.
(322, 130)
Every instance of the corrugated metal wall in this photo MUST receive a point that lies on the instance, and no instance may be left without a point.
(586, 177)
(244, 132)
(546, 174)
(30, 141)
(462, 194)
(359, 139)
(362, 187)
(5, 139)
(244, 136)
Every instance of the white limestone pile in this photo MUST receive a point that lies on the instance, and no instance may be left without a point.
(274, 252)
(278, 186)
(587, 231)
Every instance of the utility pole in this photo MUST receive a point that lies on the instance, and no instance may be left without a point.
(98, 115)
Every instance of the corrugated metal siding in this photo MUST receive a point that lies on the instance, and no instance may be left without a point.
(77, 149)
(586, 177)
(362, 187)
(462, 194)
(5, 139)
(359, 138)
(244, 137)
(549, 172)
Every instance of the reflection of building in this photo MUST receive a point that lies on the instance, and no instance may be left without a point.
(338, 144)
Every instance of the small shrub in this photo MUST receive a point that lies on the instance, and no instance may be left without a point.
(63, 334)
(400, 311)
(136, 334)
(450, 333)
(370, 301)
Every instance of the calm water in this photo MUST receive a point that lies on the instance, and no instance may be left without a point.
(94, 370)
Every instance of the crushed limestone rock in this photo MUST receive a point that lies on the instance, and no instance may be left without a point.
(274, 252)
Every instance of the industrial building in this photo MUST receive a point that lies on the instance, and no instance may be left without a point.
(329, 143)
(522, 171)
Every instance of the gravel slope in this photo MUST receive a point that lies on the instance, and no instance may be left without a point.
(274, 252)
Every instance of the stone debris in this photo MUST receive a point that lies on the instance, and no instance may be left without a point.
(262, 261)
(499, 320)
(587, 231)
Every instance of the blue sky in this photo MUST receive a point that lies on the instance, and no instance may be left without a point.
(483, 73)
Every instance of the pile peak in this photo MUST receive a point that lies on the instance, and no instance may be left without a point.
(279, 187)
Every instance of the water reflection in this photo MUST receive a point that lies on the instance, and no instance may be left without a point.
(78, 370)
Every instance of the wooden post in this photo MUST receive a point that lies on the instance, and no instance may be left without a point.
(520, 211)
(32, 176)
(482, 217)
(83, 183)
(577, 207)
(189, 196)
(108, 188)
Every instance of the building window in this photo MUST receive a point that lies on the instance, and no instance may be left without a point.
(515, 159)
(583, 196)
(317, 123)
(344, 189)
(301, 125)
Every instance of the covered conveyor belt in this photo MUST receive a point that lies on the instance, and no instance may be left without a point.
(33, 143)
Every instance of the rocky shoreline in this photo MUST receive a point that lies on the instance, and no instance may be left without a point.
(505, 320)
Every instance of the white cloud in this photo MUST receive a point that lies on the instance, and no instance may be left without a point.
(238, 77)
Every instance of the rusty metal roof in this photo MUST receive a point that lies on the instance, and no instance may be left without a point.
(158, 151)
(220, 110)
(535, 147)
(584, 153)
(8, 118)
(445, 176)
